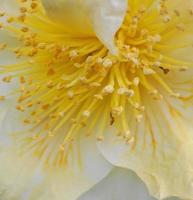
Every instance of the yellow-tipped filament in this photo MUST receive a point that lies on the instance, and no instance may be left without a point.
(71, 85)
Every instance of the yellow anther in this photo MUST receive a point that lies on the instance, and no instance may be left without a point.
(2, 98)
(2, 14)
(89, 59)
(107, 63)
(139, 118)
(23, 9)
(62, 147)
(131, 140)
(10, 19)
(34, 5)
(100, 138)
(70, 94)
(180, 27)
(86, 114)
(24, 29)
(7, 79)
(117, 111)
(122, 91)
(20, 108)
(136, 81)
(26, 121)
(94, 84)
(3, 45)
(98, 96)
(127, 134)
(108, 89)
(73, 54)
(148, 71)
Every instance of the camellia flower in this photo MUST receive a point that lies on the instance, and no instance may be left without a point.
(88, 85)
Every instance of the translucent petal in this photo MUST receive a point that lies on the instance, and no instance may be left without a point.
(119, 184)
(31, 178)
(162, 153)
(101, 17)
(28, 179)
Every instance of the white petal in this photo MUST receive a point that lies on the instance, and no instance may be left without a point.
(27, 180)
(120, 184)
(9, 6)
(70, 183)
(103, 17)
(165, 165)
(30, 179)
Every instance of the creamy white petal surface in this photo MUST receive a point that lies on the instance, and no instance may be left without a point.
(72, 87)
(167, 167)
(26, 180)
(100, 17)
(121, 184)
(29, 179)
(162, 148)
(9, 6)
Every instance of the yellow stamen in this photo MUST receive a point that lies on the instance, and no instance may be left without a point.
(72, 83)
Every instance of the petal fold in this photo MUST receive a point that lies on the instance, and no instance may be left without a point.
(161, 155)
(31, 178)
(120, 184)
(101, 17)
(28, 179)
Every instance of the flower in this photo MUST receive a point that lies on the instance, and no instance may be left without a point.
(96, 83)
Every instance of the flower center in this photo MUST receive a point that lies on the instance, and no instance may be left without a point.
(72, 85)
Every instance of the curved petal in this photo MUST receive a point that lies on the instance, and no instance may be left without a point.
(161, 155)
(162, 147)
(119, 184)
(103, 17)
(30, 178)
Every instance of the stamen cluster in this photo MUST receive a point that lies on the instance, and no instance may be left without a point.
(71, 85)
